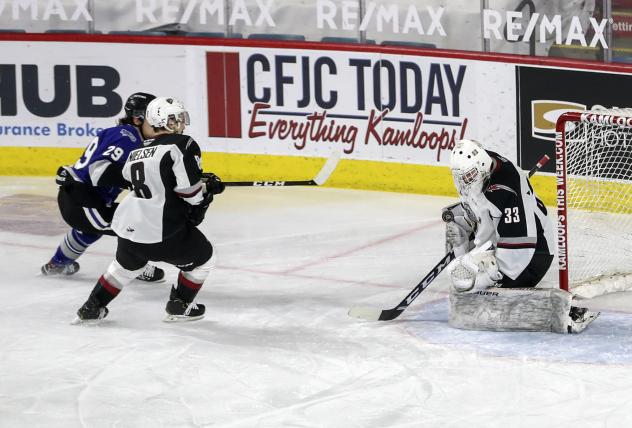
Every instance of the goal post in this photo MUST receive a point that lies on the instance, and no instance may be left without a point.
(593, 170)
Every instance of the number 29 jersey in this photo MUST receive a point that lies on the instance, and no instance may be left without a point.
(166, 178)
(108, 150)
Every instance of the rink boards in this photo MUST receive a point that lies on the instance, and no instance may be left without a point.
(271, 110)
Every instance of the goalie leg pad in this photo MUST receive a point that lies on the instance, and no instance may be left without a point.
(515, 309)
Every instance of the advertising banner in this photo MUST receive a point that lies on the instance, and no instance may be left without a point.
(254, 100)
(545, 93)
(408, 109)
(62, 94)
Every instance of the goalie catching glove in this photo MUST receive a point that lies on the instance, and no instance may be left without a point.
(478, 268)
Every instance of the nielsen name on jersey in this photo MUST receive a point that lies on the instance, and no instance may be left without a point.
(166, 176)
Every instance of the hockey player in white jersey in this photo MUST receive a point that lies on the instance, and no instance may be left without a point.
(157, 220)
(503, 240)
(501, 229)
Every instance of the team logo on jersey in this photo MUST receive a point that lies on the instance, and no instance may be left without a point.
(198, 160)
(126, 133)
(496, 187)
(544, 115)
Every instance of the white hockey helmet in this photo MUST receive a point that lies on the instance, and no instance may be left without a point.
(167, 113)
(471, 167)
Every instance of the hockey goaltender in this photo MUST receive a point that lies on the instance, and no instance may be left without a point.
(503, 240)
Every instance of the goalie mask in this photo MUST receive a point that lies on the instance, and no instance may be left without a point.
(471, 167)
(167, 113)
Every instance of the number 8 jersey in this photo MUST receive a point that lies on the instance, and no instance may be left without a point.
(165, 175)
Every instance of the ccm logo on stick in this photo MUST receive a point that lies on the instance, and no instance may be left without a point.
(268, 183)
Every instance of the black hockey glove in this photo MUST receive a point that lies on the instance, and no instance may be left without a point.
(63, 177)
(213, 183)
(196, 213)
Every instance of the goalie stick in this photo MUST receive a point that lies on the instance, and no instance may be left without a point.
(374, 314)
(543, 160)
(322, 176)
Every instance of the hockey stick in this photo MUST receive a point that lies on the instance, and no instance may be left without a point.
(373, 314)
(319, 180)
(543, 160)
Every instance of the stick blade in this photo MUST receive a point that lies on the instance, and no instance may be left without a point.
(365, 313)
(327, 169)
(374, 314)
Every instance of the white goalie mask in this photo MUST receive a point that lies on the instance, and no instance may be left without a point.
(167, 113)
(471, 167)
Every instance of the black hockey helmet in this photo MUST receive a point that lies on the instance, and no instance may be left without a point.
(136, 105)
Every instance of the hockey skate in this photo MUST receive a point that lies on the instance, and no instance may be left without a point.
(152, 274)
(90, 313)
(580, 318)
(53, 268)
(179, 310)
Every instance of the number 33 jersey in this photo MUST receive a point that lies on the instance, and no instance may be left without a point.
(509, 214)
(165, 176)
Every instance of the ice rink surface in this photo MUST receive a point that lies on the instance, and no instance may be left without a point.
(277, 348)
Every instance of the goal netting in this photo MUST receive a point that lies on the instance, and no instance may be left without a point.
(594, 199)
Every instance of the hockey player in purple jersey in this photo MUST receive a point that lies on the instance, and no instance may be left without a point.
(89, 188)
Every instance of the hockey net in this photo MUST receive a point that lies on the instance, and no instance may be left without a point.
(594, 200)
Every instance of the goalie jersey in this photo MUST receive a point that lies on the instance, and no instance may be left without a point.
(166, 178)
(509, 214)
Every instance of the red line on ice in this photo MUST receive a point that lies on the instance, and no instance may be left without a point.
(361, 247)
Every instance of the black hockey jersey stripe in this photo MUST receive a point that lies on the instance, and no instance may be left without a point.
(516, 245)
(504, 192)
(542, 245)
(190, 153)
